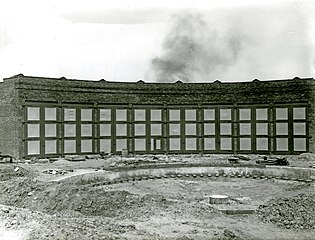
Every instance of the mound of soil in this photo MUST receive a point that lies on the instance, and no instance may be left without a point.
(10, 171)
(296, 212)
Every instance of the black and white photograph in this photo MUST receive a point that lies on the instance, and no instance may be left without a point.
(157, 120)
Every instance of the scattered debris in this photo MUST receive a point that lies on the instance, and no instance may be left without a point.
(57, 171)
(233, 160)
(75, 158)
(273, 161)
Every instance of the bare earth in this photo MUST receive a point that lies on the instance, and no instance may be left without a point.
(36, 207)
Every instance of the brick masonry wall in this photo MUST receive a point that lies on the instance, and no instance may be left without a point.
(10, 121)
(103, 92)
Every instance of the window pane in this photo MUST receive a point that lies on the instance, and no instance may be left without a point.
(282, 144)
(174, 143)
(50, 130)
(69, 114)
(226, 144)
(209, 144)
(139, 115)
(105, 114)
(174, 129)
(70, 130)
(190, 129)
(245, 114)
(262, 144)
(300, 144)
(86, 145)
(281, 113)
(299, 113)
(225, 128)
(156, 129)
(156, 115)
(33, 113)
(121, 114)
(282, 128)
(262, 128)
(121, 129)
(245, 144)
(209, 129)
(156, 144)
(245, 128)
(225, 114)
(32, 147)
(105, 145)
(86, 114)
(139, 129)
(50, 146)
(299, 128)
(50, 114)
(105, 129)
(208, 114)
(191, 144)
(32, 130)
(86, 130)
(70, 146)
(139, 144)
(121, 144)
(174, 115)
(190, 115)
(262, 114)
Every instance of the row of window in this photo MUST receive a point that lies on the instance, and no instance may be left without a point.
(86, 114)
(174, 144)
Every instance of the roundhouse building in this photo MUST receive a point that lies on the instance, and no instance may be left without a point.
(46, 117)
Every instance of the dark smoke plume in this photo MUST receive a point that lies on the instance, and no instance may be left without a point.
(193, 50)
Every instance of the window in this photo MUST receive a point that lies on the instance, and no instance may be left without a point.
(69, 114)
(209, 129)
(156, 129)
(209, 144)
(245, 129)
(245, 144)
(190, 115)
(262, 114)
(191, 144)
(50, 114)
(139, 115)
(140, 144)
(190, 129)
(121, 114)
(262, 144)
(156, 115)
(105, 114)
(32, 130)
(32, 113)
(69, 146)
(33, 148)
(105, 145)
(299, 144)
(225, 128)
(50, 130)
(245, 114)
(282, 128)
(174, 129)
(225, 114)
(209, 114)
(281, 113)
(86, 114)
(105, 129)
(140, 129)
(69, 130)
(86, 130)
(86, 145)
(121, 129)
(299, 113)
(50, 146)
(174, 143)
(121, 144)
(282, 144)
(299, 128)
(226, 144)
(174, 115)
(261, 128)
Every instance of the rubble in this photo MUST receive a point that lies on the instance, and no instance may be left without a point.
(295, 212)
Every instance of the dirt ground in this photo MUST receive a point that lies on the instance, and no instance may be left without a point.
(35, 207)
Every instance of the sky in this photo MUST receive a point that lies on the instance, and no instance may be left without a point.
(158, 41)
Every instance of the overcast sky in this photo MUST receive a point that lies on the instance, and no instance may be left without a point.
(128, 40)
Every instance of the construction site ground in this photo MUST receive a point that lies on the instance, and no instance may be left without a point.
(38, 201)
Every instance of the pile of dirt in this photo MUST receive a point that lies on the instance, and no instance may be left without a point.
(11, 171)
(296, 212)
